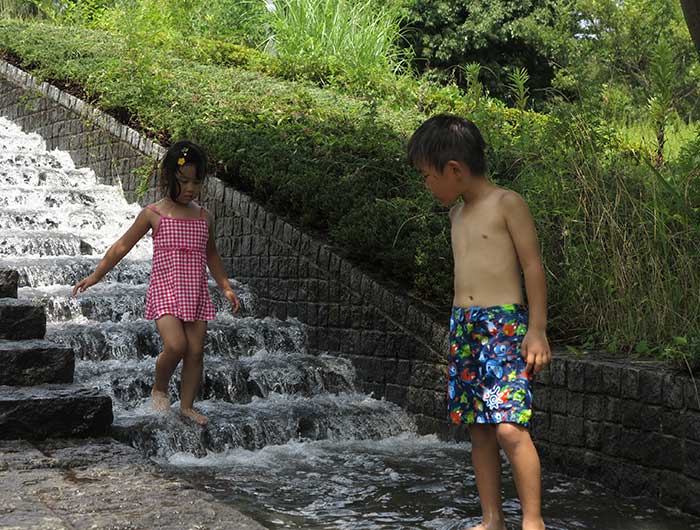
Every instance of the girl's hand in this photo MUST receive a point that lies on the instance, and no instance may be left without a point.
(84, 284)
(231, 297)
(536, 352)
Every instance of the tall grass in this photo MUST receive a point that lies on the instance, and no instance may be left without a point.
(17, 9)
(623, 245)
(642, 135)
(342, 34)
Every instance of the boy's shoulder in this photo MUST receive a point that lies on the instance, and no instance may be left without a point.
(504, 200)
(508, 199)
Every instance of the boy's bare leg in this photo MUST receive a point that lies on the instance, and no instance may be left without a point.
(525, 463)
(192, 369)
(174, 346)
(487, 469)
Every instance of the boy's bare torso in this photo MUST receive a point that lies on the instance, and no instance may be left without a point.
(486, 266)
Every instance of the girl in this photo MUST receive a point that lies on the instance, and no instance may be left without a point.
(178, 295)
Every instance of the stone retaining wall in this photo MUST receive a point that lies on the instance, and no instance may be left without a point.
(634, 427)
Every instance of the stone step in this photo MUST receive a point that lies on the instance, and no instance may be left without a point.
(8, 282)
(53, 411)
(20, 320)
(68, 270)
(114, 301)
(46, 243)
(71, 219)
(226, 336)
(54, 198)
(26, 168)
(35, 362)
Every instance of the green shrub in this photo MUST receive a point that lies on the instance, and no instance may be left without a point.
(500, 35)
(619, 236)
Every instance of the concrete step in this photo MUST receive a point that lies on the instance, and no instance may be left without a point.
(35, 362)
(21, 320)
(53, 411)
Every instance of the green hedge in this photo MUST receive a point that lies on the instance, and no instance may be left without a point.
(336, 164)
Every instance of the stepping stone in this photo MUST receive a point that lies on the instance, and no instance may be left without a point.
(21, 320)
(53, 411)
(35, 362)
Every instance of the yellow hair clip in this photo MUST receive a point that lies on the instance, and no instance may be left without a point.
(181, 161)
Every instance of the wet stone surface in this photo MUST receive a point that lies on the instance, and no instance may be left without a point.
(100, 483)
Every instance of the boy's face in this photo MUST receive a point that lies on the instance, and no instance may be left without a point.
(445, 185)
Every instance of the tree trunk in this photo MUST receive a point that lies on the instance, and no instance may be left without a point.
(691, 11)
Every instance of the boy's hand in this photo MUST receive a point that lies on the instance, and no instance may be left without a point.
(536, 352)
(84, 284)
(233, 299)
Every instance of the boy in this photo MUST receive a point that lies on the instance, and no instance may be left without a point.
(494, 350)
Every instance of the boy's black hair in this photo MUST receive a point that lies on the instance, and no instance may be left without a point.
(447, 137)
(177, 155)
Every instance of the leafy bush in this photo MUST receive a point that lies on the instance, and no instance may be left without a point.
(619, 236)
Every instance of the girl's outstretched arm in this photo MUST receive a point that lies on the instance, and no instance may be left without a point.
(216, 266)
(117, 251)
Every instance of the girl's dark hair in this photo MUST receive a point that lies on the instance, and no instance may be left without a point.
(179, 154)
(447, 137)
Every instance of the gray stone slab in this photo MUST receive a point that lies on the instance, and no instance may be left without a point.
(102, 484)
(53, 411)
(35, 362)
(8, 283)
(21, 320)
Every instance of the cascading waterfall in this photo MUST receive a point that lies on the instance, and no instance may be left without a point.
(290, 438)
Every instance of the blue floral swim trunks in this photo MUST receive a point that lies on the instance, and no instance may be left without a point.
(487, 380)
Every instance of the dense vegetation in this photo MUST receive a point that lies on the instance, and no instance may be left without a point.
(588, 108)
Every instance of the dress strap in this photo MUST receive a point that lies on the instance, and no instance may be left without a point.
(154, 209)
(201, 212)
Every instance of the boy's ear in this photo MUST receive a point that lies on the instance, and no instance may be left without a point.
(459, 170)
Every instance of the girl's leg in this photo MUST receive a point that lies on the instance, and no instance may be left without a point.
(192, 368)
(174, 346)
(486, 460)
(522, 454)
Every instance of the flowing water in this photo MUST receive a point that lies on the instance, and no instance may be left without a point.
(291, 440)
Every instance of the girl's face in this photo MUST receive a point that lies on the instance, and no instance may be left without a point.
(189, 183)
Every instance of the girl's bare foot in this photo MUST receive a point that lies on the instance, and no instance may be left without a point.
(494, 526)
(160, 401)
(194, 415)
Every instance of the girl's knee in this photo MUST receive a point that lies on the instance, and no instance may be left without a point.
(175, 348)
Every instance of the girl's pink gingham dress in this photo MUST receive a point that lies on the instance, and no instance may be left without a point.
(178, 283)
